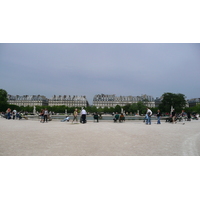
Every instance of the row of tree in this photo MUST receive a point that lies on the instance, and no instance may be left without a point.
(3, 100)
(169, 100)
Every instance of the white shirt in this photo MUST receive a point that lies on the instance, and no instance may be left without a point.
(83, 112)
(149, 111)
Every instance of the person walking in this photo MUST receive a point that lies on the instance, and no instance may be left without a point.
(149, 113)
(75, 115)
(83, 116)
(158, 117)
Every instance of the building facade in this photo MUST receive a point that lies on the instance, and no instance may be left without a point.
(105, 100)
(99, 100)
(38, 100)
(193, 102)
(28, 100)
(69, 101)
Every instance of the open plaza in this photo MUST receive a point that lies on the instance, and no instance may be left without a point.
(106, 138)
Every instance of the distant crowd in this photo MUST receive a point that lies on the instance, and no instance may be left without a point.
(45, 116)
(13, 114)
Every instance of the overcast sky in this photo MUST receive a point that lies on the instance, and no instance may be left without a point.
(95, 68)
(84, 48)
(107, 46)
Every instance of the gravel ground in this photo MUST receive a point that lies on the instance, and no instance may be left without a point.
(131, 138)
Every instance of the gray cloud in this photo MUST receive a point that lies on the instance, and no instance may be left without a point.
(89, 69)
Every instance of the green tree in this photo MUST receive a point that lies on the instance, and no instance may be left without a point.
(141, 107)
(100, 110)
(71, 109)
(3, 100)
(14, 107)
(29, 109)
(111, 110)
(106, 110)
(197, 108)
(194, 109)
(127, 108)
(38, 108)
(118, 108)
(133, 108)
(177, 101)
(154, 110)
(92, 109)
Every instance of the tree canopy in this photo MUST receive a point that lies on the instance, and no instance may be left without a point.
(3, 100)
(177, 101)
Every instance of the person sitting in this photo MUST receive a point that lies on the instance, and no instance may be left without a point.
(116, 117)
(96, 117)
(66, 119)
(121, 118)
(20, 116)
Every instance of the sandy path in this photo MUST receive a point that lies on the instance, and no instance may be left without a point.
(132, 138)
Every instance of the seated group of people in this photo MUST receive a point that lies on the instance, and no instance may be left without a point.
(119, 118)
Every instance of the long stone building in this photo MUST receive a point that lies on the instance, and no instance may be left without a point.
(69, 101)
(39, 100)
(28, 100)
(106, 100)
(99, 100)
(193, 102)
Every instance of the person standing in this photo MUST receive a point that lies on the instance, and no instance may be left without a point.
(83, 116)
(45, 115)
(182, 115)
(42, 115)
(173, 116)
(188, 116)
(14, 114)
(158, 117)
(149, 113)
(75, 115)
(8, 113)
